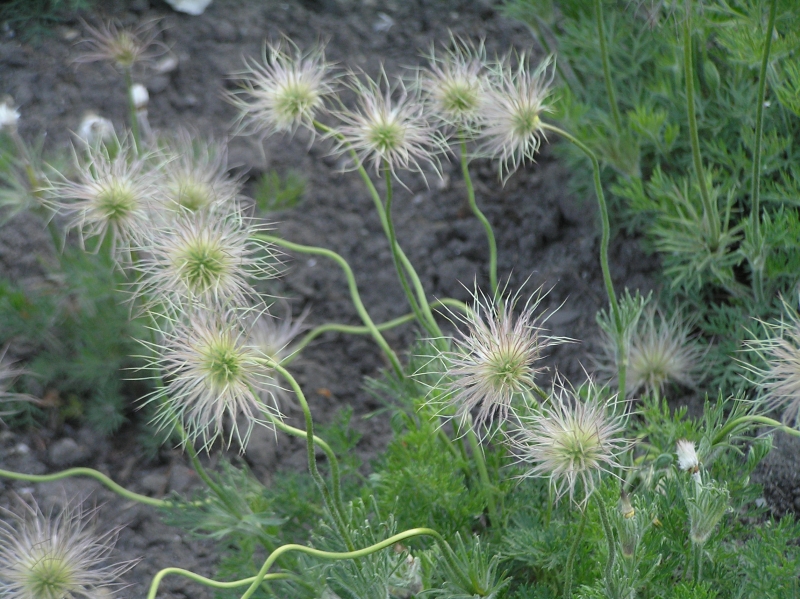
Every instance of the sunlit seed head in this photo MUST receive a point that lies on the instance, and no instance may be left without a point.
(570, 439)
(513, 104)
(496, 359)
(207, 259)
(124, 48)
(114, 194)
(213, 376)
(777, 376)
(390, 128)
(453, 83)
(55, 557)
(284, 91)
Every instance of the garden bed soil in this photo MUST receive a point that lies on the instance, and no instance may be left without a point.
(546, 237)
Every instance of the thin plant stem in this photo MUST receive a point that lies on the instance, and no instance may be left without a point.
(697, 554)
(209, 582)
(394, 246)
(334, 327)
(482, 218)
(612, 96)
(755, 211)
(137, 138)
(332, 555)
(622, 358)
(204, 476)
(573, 551)
(736, 422)
(483, 473)
(354, 294)
(91, 473)
(609, 533)
(688, 67)
(334, 503)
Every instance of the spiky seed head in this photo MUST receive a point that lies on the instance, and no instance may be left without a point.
(9, 115)
(571, 439)
(114, 194)
(206, 259)
(284, 91)
(496, 359)
(122, 47)
(212, 376)
(390, 128)
(454, 84)
(196, 176)
(511, 114)
(778, 379)
(55, 556)
(687, 456)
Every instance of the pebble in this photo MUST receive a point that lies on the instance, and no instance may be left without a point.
(66, 452)
(181, 477)
(155, 483)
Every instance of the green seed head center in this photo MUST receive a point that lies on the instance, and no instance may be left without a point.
(386, 136)
(49, 578)
(526, 120)
(116, 202)
(222, 364)
(202, 266)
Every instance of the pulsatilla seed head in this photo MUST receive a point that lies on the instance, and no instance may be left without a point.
(570, 439)
(122, 47)
(284, 91)
(496, 359)
(212, 375)
(55, 556)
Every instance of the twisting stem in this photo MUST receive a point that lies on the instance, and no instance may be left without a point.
(206, 581)
(91, 473)
(755, 212)
(334, 503)
(609, 532)
(573, 551)
(612, 96)
(622, 358)
(331, 555)
(733, 424)
(488, 488)
(137, 141)
(333, 327)
(482, 218)
(688, 67)
(354, 294)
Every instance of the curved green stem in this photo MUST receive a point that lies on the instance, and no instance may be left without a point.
(688, 67)
(573, 551)
(482, 218)
(612, 96)
(91, 473)
(354, 294)
(755, 211)
(363, 330)
(204, 476)
(205, 581)
(733, 424)
(334, 503)
(483, 473)
(334, 555)
(609, 532)
(604, 241)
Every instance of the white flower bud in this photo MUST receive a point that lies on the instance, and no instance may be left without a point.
(139, 96)
(190, 7)
(95, 128)
(8, 115)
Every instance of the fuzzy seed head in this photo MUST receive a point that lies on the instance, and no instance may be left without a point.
(497, 359)
(283, 92)
(453, 84)
(779, 377)
(122, 47)
(390, 128)
(687, 456)
(205, 259)
(571, 439)
(212, 376)
(114, 194)
(514, 102)
(55, 557)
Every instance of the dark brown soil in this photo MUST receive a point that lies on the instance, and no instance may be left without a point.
(546, 237)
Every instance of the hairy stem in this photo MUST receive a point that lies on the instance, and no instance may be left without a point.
(733, 424)
(573, 551)
(612, 96)
(609, 533)
(688, 67)
(755, 210)
(482, 218)
(622, 357)
(354, 294)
